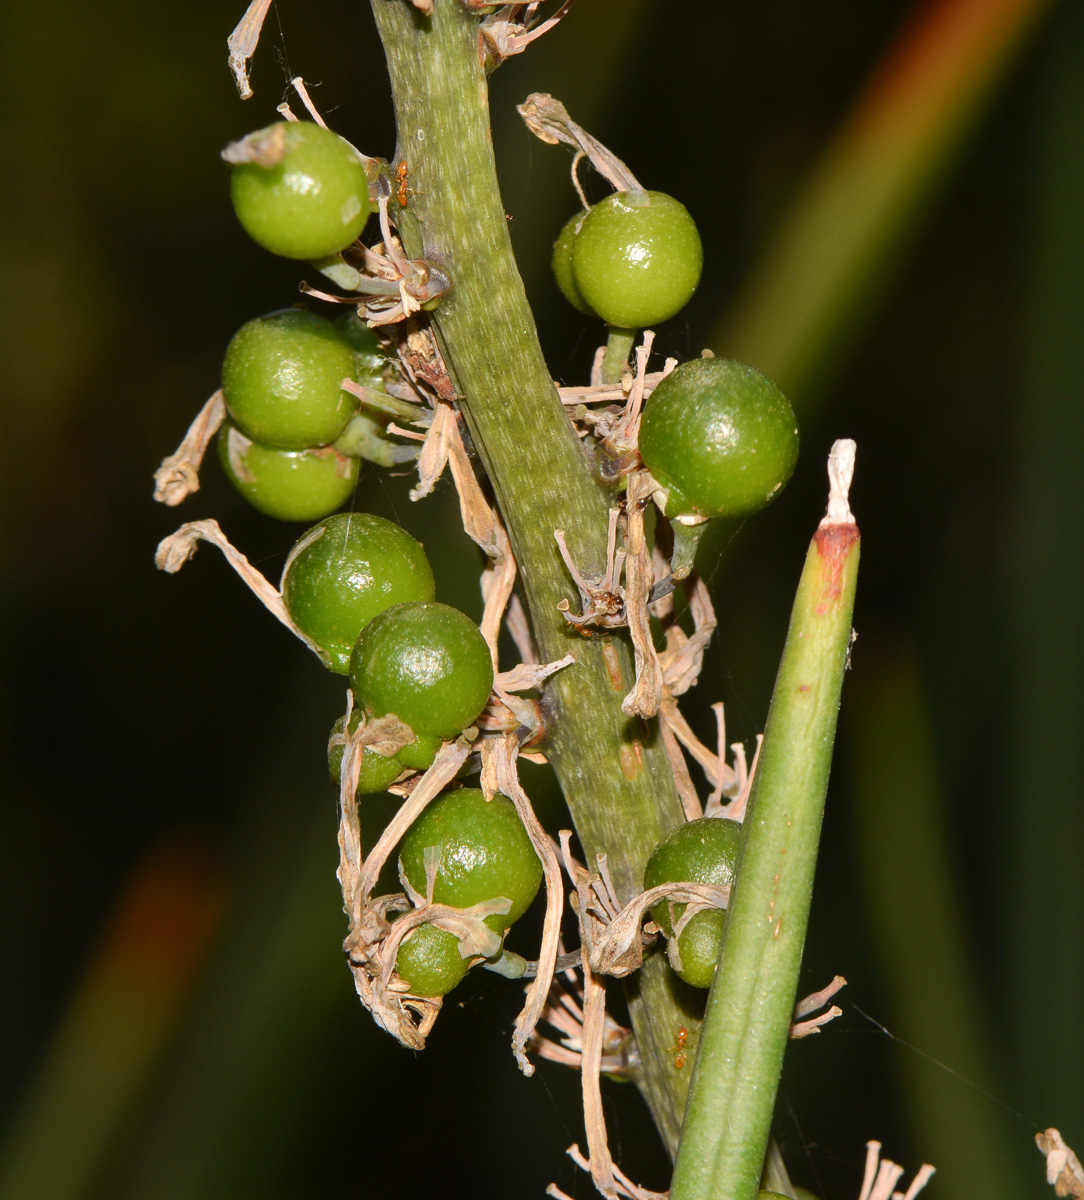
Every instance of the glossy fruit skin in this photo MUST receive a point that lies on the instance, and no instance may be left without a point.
(425, 662)
(419, 753)
(484, 853)
(561, 264)
(293, 485)
(282, 378)
(313, 203)
(377, 772)
(721, 436)
(345, 571)
(637, 258)
(430, 962)
(701, 851)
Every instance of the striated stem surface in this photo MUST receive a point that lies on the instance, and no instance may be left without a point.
(613, 771)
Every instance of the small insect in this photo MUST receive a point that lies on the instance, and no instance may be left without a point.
(679, 1047)
(404, 190)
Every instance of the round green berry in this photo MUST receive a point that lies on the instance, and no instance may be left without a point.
(419, 753)
(701, 851)
(562, 264)
(426, 663)
(345, 571)
(484, 853)
(303, 193)
(637, 258)
(293, 485)
(430, 962)
(377, 772)
(282, 378)
(720, 437)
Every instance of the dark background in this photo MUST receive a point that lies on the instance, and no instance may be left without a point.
(166, 729)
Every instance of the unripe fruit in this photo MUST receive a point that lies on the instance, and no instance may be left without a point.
(720, 437)
(312, 197)
(562, 264)
(637, 258)
(702, 851)
(377, 772)
(282, 378)
(426, 663)
(430, 962)
(419, 753)
(345, 571)
(293, 485)
(484, 853)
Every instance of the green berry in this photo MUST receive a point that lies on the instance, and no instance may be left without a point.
(419, 753)
(304, 194)
(637, 258)
(377, 772)
(484, 853)
(562, 264)
(426, 663)
(282, 378)
(701, 851)
(293, 485)
(345, 571)
(721, 437)
(430, 962)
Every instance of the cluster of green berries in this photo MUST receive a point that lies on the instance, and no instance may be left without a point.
(294, 438)
(361, 589)
(718, 437)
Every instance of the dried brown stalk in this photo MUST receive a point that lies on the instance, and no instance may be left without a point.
(683, 657)
(690, 801)
(622, 1183)
(882, 1175)
(174, 551)
(178, 476)
(1063, 1168)
(646, 692)
(806, 1024)
(564, 1012)
(499, 774)
(549, 121)
(408, 1018)
(243, 41)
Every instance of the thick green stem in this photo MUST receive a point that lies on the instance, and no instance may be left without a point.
(748, 1017)
(613, 770)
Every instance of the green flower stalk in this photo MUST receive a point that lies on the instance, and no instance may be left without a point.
(750, 1006)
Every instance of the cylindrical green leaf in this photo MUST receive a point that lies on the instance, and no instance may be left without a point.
(748, 1017)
